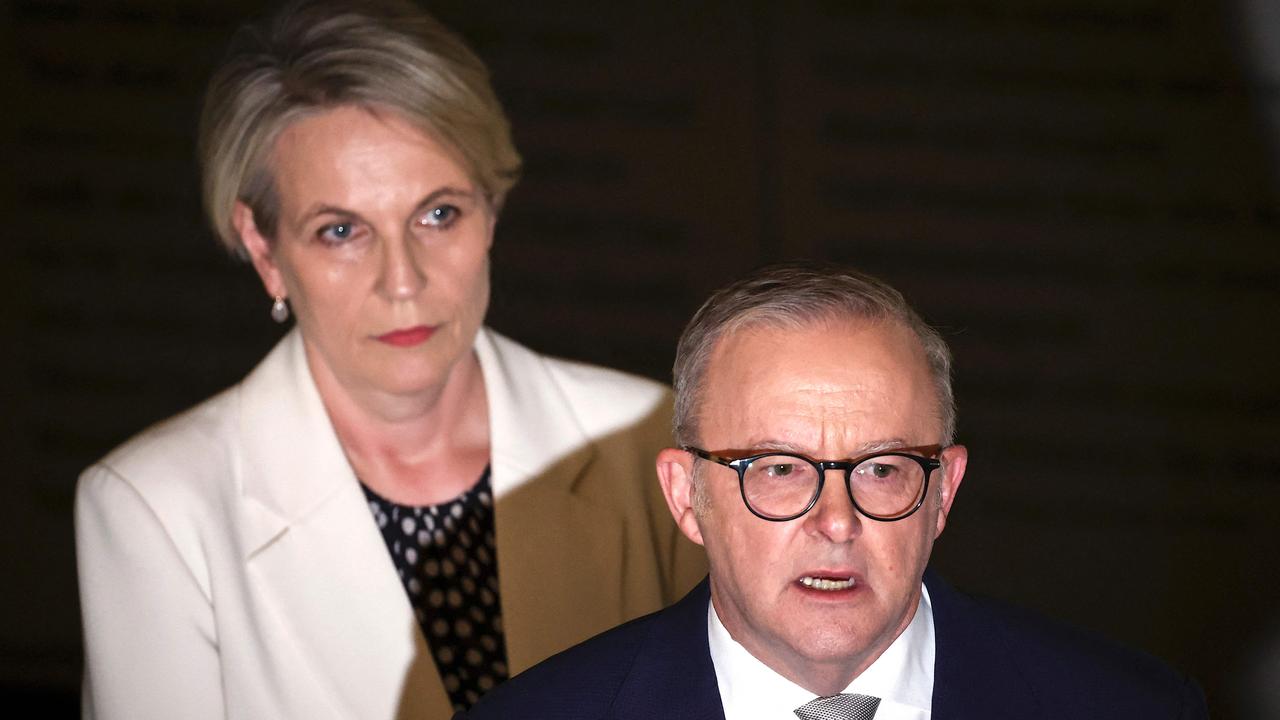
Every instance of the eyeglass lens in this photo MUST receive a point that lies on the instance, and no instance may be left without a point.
(781, 486)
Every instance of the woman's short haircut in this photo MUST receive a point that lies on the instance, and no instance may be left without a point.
(794, 295)
(315, 55)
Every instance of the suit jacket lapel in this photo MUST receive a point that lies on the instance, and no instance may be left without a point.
(539, 452)
(673, 676)
(973, 675)
(316, 562)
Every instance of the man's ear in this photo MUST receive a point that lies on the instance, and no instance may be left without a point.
(954, 461)
(259, 249)
(675, 473)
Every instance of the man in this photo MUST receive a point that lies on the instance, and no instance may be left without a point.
(816, 466)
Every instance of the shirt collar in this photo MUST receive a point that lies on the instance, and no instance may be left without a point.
(902, 677)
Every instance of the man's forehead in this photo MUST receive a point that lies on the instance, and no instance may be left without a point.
(775, 341)
(788, 384)
(762, 442)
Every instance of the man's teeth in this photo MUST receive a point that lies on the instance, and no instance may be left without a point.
(826, 583)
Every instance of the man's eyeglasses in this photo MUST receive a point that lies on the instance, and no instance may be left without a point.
(776, 486)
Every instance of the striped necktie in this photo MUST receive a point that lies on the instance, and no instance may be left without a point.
(839, 707)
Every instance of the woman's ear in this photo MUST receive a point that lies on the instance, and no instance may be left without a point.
(259, 249)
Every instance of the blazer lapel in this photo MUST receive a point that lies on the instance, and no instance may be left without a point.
(291, 462)
(973, 675)
(673, 676)
(321, 577)
(539, 452)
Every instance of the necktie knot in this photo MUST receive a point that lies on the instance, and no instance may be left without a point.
(844, 706)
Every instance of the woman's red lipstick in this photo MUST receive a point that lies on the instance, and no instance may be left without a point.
(408, 337)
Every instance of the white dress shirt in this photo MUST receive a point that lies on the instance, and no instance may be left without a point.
(902, 677)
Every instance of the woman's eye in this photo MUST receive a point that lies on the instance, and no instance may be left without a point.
(440, 216)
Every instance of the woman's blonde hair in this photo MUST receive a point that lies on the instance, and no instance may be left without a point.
(315, 55)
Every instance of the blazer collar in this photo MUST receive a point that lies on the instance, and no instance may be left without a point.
(293, 473)
(675, 660)
(290, 461)
(318, 555)
(539, 456)
(974, 673)
(532, 425)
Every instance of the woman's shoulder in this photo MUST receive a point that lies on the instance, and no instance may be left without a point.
(176, 451)
(589, 389)
(606, 384)
(571, 372)
(201, 441)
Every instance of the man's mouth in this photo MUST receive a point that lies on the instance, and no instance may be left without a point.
(827, 583)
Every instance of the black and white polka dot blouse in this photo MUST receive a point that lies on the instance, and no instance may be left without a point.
(447, 560)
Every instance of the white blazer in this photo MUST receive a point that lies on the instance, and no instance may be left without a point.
(230, 566)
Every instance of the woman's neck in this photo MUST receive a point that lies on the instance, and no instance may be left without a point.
(420, 449)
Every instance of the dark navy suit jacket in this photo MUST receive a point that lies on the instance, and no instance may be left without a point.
(991, 663)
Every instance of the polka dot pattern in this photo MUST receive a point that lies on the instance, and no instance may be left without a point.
(447, 560)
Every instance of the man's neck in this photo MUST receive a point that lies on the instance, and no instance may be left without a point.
(902, 675)
(821, 676)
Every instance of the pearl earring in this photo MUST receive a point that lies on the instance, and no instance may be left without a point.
(279, 310)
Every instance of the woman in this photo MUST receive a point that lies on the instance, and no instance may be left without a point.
(397, 507)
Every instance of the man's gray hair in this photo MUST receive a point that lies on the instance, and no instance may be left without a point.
(793, 295)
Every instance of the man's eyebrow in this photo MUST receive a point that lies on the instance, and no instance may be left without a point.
(878, 445)
(771, 444)
(767, 444)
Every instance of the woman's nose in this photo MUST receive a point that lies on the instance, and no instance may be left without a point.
(402, 271)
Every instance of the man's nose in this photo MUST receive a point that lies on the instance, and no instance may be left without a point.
(834, 515)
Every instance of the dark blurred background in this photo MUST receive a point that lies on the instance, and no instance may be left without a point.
(1082, 193)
